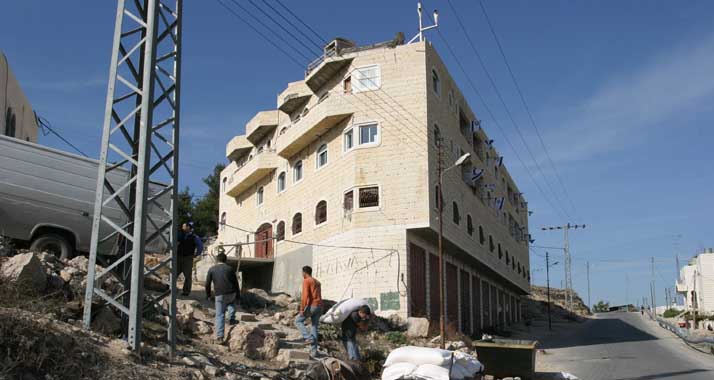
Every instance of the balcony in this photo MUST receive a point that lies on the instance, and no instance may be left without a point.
(260, 125)
(294, 97)
(314, 124)
(237, 147)
(251, 171)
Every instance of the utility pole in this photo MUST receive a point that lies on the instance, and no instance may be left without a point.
(547, 284)
(568, 261)
(440, 173)
(140, 141)
(589, 304)
(627, 289)
(652, 289)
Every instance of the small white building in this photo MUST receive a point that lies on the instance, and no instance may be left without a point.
(696, 282)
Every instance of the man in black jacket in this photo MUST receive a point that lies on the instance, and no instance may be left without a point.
(189, 246)
(227, 292)
(356, 320)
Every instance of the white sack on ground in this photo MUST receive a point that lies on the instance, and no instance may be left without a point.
(338, 313)
(398, 371)
(419, 356)
(430, 372)
(468, 363)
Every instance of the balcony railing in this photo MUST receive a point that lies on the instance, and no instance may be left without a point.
(250, 171)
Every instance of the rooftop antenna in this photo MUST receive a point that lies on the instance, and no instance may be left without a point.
(423, 29)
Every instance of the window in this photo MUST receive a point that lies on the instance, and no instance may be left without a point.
(259, 196)
(321, 213)
(451, 99)
(297, 223)
(321, 156)
(348, 140)
(508, 258)
(491, 247)
(437, 197)
(457, 217)
(437, 135)
(281, 182)
(435, 82)
(280, 231)
(366, 78)
(368, 134)
(481, 238)
(500, 252)
(223, 221)
(297, 171)
(469, 225)
(225, 180)
(348, 202)
(347, 85)
(369, 197)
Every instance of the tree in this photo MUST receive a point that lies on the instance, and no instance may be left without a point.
(202, 211)
(601, 306)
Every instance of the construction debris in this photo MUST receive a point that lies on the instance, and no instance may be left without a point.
(25, 270)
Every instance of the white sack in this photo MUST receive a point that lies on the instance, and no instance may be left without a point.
(398, 371)
(430, 372)
(468, 363)
(338, 313)
(419, 356)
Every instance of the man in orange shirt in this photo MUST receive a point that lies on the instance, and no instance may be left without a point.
(310, 307)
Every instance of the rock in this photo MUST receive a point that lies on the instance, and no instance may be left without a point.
(212, 371)
(201, 327)
(247, 339)
(67, 274)
(455, 346)
(55, 282)
(107, 322)
(277, 317)
(417, 327)
(246, 317)
(396, 322)
(294, 306)
(282, 299)
(154, 284)
(79, 262)
(292, 355)
(266, 326)
(271, 346)
(25, 270)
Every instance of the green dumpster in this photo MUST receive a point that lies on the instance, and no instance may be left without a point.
(508, 357)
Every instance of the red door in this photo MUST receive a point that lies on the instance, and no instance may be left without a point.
(434, 288)
(452, 295)
(417, 280)
(264, 241)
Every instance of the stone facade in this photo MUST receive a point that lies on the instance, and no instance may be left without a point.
(18, 118)
(375, 112)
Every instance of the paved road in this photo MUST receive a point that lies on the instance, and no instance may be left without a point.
(624, 346)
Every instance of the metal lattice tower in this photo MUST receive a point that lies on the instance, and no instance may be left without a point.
(567, 261)
(136, 196)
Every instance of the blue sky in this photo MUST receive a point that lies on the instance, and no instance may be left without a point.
(621, 91)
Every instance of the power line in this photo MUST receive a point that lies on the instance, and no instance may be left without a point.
(302, 22)
(503, 103)
(261, 34)
(525, 105)
(320, 47)
(45, 124)
(282, 27)
(498, 125)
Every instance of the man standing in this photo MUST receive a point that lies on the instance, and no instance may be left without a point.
(310, 307)
(227, 292)
(356, 320)
(189, 245)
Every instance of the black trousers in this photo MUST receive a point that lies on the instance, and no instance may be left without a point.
(185, 267)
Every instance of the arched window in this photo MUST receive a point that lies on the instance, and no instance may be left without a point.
(259, 196)
(280, 231)
(519, 268)
(297, 223)
(10, 123)
(491, 247)
(437, 135)
(469, 225)
(321, 213)
(321, 158)
(513, 264)
(297, 171)
(481, 237)
(508, 258)
(223, 221)
(437, 197)
(225, 180)
(435, 82)
(281, 182)
(457, 217)
(500, 252)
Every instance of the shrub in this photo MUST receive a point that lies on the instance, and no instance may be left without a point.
(396, 337)
(671, 313)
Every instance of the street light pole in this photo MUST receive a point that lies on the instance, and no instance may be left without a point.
(547, 284)
(440, 172)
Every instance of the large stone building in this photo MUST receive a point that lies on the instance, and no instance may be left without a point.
(18, 119)
(342, 177)
(696, 282)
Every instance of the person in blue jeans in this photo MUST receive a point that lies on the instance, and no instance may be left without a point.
(356, 320)
(310, 308)
(227, 293)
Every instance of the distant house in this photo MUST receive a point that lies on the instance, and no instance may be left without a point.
(17, 119)
(696, 282)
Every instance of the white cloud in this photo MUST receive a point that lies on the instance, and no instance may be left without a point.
(67, 85)
(629, 103)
